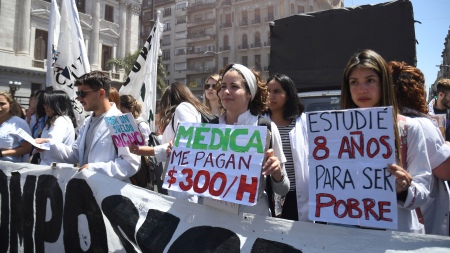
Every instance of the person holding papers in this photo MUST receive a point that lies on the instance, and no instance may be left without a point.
(61, 122)
(411, 98)
(367, 83)
(243, 95)
(12, 146)
(94, 148)
(286, 111)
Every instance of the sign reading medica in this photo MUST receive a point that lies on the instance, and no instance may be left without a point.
(349, 151)
(217, 161)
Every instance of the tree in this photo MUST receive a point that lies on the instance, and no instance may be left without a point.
(127, 64)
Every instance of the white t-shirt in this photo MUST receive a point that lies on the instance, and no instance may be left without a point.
(61, 131)
(9, 138)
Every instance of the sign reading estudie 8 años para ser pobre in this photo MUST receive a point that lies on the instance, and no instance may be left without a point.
(349, 151)
(217, 161)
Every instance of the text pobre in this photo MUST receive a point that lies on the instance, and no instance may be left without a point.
(349, 151)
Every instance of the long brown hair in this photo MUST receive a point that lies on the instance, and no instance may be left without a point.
(14, 108)
(369, 59)
(173, 95)
(409, 86)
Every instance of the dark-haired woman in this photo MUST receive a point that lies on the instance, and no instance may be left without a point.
(286, 111)
(367, 83)
(61, 122)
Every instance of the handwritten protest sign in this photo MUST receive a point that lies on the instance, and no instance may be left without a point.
(217, 161)
(349, 151)
(124, 130)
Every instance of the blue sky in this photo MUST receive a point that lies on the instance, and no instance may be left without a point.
(435, 18)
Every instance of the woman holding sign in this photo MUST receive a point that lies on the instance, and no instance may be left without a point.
(286, 111)
(244, 97)
(367, 83)
(12, 146)
(61, 122)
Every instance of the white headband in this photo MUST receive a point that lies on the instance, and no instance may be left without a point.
(249, 78)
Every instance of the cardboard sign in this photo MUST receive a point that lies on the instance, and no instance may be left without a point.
(349, 151)
(217, 161)
(124, 130)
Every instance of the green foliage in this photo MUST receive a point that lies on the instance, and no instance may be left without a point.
(127, 64)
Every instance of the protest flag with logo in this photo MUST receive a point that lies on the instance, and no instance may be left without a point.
(144, 74)
(71, 60)
(53, 35)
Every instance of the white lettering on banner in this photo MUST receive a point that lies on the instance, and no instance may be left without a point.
(348, 154)
(67, 211)
(218, 161)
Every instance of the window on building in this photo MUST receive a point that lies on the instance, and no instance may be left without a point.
(292, 9)
(180, 51)
(257, 39)
(167, 26)
(301, 9)
(257, 15)
(40, 45)
(180, 66)
(167, 12)
(81, 5)
(270, 13)
(166, 54)
(181, 6)
(244, 41)
(209, 15)
(258, 61)
(106, 56)
(35, 87)
(311, 9)
(245, 60)
(109, 13)
(209, 48)
(225, 61)
(225, 41)
(182, 19)
(245, 17)
(198, 17)
(181, 35)
(165, 40)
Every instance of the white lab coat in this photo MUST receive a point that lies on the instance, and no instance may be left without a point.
(103, 157)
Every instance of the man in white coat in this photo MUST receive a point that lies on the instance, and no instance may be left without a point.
(94, 148)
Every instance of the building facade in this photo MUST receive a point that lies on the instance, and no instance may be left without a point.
(110, 30)
(444, 67)
(202, 36)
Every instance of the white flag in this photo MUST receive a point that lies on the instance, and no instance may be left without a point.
(53, 36)
(144, 72)
(71, 59)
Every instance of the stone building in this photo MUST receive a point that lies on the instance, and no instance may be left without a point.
(110, 30)
(444, 67)
(202, 36)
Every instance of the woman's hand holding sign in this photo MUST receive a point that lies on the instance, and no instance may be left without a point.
(272, 166)
(402, 178)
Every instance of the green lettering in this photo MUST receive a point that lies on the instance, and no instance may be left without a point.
(198, 137)
(183, 133)
(255, 142)
(223, 139)
(233, 145)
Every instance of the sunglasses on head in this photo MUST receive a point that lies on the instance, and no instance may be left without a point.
(83, 93)
(207, 86)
